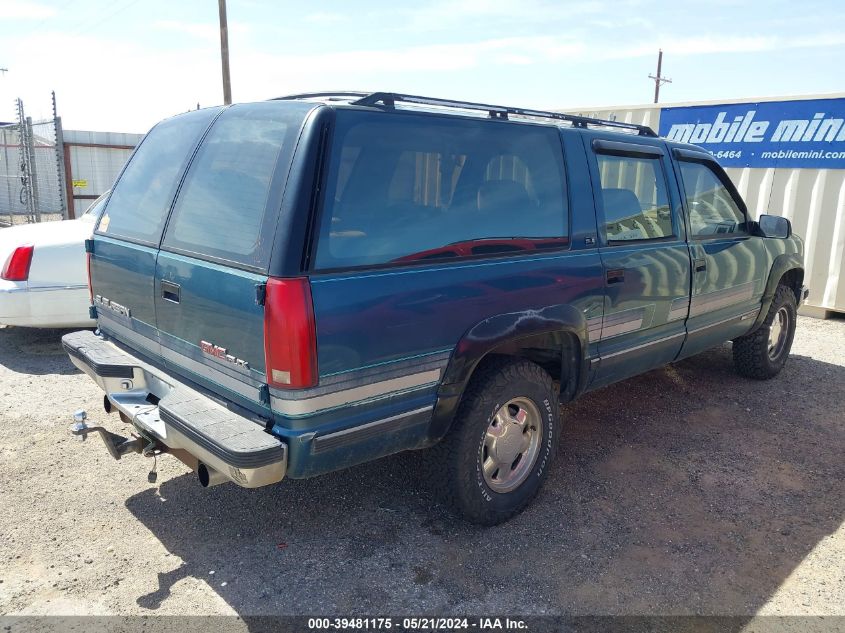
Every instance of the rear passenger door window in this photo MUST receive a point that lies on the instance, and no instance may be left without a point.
(634, 198)
(408, 188)
(712, 209)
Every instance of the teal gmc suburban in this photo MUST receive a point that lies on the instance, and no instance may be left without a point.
(292, 287)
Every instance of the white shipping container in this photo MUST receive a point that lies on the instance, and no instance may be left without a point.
(812, 199)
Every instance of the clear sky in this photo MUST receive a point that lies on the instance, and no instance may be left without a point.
(122, 65)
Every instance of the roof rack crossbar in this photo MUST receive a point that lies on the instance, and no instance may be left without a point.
(323, 95)
(389, 99)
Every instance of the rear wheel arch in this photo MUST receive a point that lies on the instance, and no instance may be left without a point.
(555, 341)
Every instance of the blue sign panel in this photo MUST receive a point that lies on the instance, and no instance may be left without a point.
(808, 133)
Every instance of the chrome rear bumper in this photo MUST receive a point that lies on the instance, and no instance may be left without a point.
(166, 411)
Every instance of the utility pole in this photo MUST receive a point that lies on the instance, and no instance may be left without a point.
(659, 80)
(224, 52)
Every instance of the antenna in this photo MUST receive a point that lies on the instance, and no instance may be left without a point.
(659, 80)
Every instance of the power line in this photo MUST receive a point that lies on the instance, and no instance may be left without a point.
(49, 17)
(119, 10)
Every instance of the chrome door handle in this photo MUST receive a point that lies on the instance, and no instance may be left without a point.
(170, 291)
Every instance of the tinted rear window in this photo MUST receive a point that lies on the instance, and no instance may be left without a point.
(221, 210)
(414, 187)
(140, 201)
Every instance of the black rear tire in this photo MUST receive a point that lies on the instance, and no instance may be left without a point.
(756, 355)
(461, 456)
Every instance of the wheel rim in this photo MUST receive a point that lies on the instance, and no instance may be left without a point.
(511, 445)
(778, 332)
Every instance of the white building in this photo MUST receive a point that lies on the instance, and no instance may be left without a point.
(786, 156)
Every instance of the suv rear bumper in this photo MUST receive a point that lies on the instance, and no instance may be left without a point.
(177, 416)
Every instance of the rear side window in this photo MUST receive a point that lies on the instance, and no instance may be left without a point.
(634, 198)
(407, 188)
(221, 208)
(712, 208)
(138, 206)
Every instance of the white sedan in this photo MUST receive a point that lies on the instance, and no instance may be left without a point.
(44, 279)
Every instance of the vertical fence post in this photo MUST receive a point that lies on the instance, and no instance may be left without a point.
(25, 164)
(61, 168)
(33, 175)
(7, 175)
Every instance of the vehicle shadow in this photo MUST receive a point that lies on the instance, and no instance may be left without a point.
(683, 491)
(34, 351)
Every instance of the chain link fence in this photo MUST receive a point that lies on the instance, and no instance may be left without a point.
(31, 171)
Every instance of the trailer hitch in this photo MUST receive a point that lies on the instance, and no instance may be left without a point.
(116, 445)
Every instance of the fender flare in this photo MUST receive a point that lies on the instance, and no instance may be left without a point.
(781, 265)
(551, 327)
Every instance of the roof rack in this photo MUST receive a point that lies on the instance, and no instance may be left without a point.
(390, 99)
(324, 95)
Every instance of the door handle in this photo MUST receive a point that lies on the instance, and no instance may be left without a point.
(700, 265)
(615, 276)
(170, 291)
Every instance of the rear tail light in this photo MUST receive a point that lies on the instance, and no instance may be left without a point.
(17, 266)
(290, 334)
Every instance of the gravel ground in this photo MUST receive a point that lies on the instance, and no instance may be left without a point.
(687, 490)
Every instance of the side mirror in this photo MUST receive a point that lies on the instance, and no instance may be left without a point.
(774, 226)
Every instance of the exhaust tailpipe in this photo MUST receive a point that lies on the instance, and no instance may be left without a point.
(209, 477)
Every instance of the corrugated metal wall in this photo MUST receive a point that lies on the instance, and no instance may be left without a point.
(812, 199)
(94, 160)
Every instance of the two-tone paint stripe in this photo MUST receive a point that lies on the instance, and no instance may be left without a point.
(594, 328)
(738, 317)
(618, 323)
(751, 314)
(363, 432)
(342, 389)
(679, 308)
(246, 386)
(625, 321)
(129, 330)
(711, 301)
(622, 322)
(363, 385)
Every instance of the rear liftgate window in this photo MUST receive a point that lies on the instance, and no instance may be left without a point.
(409, 188)
(138, 206)
(221, 209)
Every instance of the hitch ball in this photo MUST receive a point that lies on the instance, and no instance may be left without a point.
(79, 426)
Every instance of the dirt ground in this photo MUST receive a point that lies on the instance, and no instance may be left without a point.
(687, 490)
